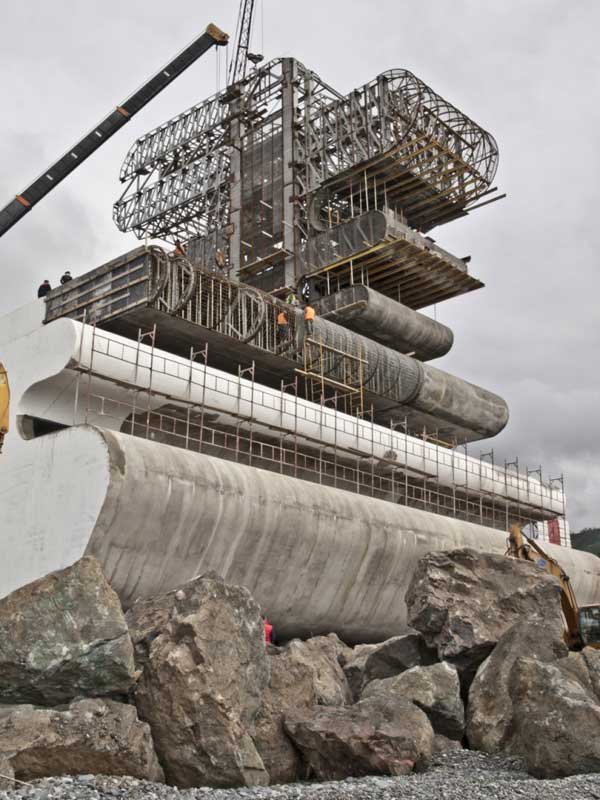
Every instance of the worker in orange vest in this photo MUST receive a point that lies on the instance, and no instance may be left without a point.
(283, 325)
(309, 316)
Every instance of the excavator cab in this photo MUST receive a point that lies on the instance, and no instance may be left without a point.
(589, 625)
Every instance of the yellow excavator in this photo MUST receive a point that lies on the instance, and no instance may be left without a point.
(582, 622)
(4, 404)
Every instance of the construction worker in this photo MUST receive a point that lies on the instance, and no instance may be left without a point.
(291, 299)
(44, 288)
(179, 248)
(283, 325)
(66, 277)
(309, 316)
(305, 290)
(270, 637)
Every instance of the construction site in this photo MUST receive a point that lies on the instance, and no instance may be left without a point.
(259, 369)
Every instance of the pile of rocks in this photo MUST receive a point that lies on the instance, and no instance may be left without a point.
(183, 689)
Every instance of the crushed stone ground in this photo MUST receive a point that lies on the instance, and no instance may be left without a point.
(465, 775)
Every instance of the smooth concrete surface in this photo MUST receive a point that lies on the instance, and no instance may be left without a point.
(317, 559)
(388, 322)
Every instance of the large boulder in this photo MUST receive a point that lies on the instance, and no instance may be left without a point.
(292, 688)
(62, 636)
(435, 690)
(373, 736)
(396, 655)
(462, 602)
(201, 688)
(490, 710)
(354, 668)
(7, 774)
(555, 717)
(322, 654)
(88, 736)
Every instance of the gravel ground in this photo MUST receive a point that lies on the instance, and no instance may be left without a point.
(453, 776)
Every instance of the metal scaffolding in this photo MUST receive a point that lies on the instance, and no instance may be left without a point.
(239, 436)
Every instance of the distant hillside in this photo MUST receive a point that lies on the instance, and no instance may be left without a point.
(588, 539)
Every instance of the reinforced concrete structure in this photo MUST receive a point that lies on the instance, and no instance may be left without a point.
(177, 413)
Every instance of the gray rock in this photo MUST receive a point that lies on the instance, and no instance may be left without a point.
(62, 636)
(322, 655)
(373, 736)
(354, 668)
(462, 602)
(201, 688)
(7, 774)
(441, 744)
(489, 710)
(555, 718)
(396, 655)
(88, 736)
(591, 658)
(435, 690)
(292, 688)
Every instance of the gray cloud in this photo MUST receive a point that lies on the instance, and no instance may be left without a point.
(529, 72)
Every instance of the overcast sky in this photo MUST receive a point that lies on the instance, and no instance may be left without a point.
(527, 70)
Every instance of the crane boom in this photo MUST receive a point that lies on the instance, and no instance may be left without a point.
(24, 202)
(239, 62)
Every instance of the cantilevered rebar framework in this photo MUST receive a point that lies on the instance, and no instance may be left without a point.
(280, 157)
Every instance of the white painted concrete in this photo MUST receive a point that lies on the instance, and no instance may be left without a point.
(114, 359)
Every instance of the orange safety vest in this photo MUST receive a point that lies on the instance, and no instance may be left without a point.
(282, 318)
(309, 313)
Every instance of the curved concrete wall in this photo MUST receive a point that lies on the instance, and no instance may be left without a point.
(317, 559)
(454, 405)
(388, 322)
(40, 360)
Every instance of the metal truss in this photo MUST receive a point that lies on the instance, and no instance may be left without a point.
(281, 154)
(182, 139)
(187, 202)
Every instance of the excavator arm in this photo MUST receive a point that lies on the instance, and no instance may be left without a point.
(521, 546)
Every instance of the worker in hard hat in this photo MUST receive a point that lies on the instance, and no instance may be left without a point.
(66, 277)
(292, 298)
(283, 325)
(309, 317)
(44, 288)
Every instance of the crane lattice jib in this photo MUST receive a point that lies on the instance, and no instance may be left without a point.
(239, 63)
